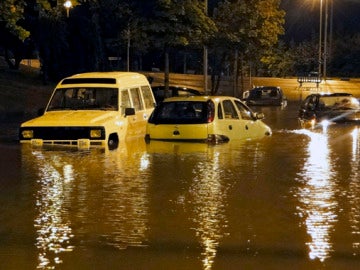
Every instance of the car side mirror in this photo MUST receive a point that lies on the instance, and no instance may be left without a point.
(129, 111)
(259, 116)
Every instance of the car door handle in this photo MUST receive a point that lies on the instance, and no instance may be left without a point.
(230, 127)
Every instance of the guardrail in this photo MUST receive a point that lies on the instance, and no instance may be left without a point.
(309, 79)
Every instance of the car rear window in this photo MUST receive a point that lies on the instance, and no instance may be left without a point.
(180, 112)
(266, 93)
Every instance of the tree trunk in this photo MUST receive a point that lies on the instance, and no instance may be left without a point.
(166, 73)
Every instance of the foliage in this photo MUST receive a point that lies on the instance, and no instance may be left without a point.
(247, 30)
(345, 59)
(237, 33)
(11, 12)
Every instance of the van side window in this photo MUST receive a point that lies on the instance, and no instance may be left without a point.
(136, 99)
(148, 98)
(125, 101)
(229, 110)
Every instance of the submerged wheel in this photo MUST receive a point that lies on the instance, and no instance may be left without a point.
(113, 142)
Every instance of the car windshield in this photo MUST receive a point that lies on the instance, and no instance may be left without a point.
(339, 103)
(82, 98)
(264, 93)
(180, 112)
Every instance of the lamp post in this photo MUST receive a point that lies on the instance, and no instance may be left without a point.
(325, 37)
(320, 39)
(205, 57)
(67, 5)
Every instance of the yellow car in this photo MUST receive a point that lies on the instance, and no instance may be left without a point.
(205, 119)
(93, 109)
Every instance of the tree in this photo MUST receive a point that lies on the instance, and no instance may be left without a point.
(12, 33)
(247, 27)
(176, 23)
(11, 12)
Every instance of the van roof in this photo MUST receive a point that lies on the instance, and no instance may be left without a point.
(113, 77)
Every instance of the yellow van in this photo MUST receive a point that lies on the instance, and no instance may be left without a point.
(93, 109)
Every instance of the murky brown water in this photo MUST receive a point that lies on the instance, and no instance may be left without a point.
(291, 201)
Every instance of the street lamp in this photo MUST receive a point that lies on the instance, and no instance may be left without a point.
(67, 5)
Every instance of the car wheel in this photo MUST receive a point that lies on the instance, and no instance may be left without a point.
(113, 142)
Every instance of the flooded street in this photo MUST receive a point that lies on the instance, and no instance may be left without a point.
(289, 201)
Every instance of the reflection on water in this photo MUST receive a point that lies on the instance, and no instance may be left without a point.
(52, 223)
(354, 191)
(125, 205)
(209, 196)
(104, 194)
(317, 195)
(290, 201)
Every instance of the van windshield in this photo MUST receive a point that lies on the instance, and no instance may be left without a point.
(84, 98)
(180, 112)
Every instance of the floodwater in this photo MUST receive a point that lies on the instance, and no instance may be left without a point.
(289, 201)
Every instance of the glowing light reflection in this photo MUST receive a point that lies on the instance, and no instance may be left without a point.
(125, 206)
(316, 196)
(209, 195)
(52, 226)
(354, 191)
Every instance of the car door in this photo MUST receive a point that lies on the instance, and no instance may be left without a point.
(230, 123)
(137, 122)
(251, 127)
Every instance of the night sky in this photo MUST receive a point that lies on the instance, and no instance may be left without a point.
(302, 17)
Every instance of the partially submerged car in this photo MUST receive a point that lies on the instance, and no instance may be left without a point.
(174, 91)
(321, 108)
(265, 96)
(93, 109)
(210, 119)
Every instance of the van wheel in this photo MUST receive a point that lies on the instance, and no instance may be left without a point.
(113, 142)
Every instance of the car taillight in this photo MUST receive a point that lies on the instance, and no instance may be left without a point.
(211, 112)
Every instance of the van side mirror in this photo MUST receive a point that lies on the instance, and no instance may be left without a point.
(129, 111)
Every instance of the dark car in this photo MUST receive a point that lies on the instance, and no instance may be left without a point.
(174, 91)
(329, 108)
(265, 96)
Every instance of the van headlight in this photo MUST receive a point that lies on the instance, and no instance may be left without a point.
(27, 134)
(95, 133)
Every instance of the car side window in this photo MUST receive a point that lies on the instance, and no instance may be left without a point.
(136, 99)
(311, 103)
(148, 99)
(220, 112)
(244, 111)
(229, 110)
(125, 100)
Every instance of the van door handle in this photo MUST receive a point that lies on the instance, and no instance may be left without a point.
(230, 127)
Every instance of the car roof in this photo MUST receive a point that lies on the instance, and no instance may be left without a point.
(178, 87)
(110, 74)
(199, 98)
(265, 87)
(332, 94)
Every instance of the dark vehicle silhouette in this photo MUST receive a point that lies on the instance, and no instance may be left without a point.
(265, 96)
(320, 109)
(174, 91)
